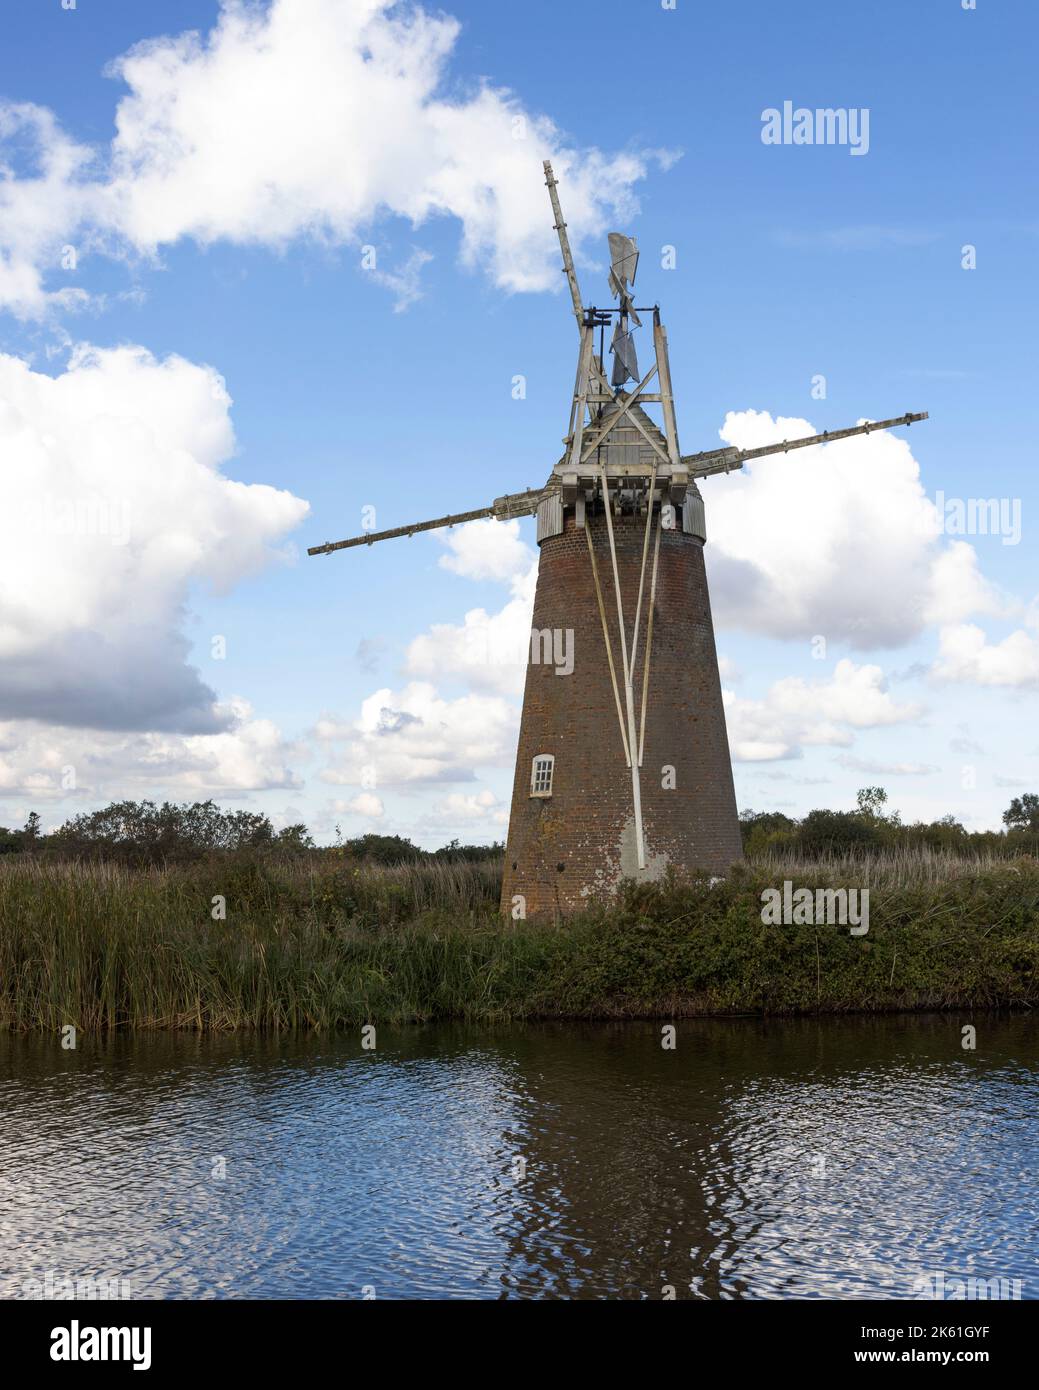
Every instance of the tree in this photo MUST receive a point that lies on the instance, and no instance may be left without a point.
(383, 849)
(871, 802)
(294, 837)
(455, 850)
(762, 830)
(142, 832)
(1022, 813)
(838, 832)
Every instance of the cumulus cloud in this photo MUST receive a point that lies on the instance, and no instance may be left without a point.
(306, 118)
(419, 735)
(488, 549)
(966, 654)
(416, 735)
(479, 810)
(958, 589)
(365, 804)
(114, 503)
(58, 763)
(838, 540)
(797, 713)
(488, 651)
(45, 193)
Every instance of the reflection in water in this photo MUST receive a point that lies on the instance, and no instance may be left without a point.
(806, 1158)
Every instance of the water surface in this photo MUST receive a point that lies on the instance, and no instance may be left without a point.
(808, 1158)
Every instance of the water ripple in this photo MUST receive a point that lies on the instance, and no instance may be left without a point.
(803, 1159)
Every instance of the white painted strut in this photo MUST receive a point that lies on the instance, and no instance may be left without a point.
(606, 642)
(649, 641)
(629, 698)
(642, 572)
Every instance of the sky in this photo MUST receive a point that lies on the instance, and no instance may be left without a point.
(274, 273)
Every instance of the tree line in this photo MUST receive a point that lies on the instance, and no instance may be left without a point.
(872, 828)
(143, 832)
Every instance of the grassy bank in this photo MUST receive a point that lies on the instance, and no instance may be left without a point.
(322, 944)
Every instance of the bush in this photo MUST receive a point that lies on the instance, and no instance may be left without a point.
(838, 832)
(140, 832)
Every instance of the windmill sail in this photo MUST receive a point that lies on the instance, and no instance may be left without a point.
(625, 363)
(624, 260)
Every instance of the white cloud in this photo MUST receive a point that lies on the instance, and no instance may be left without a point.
(406, 282)
(59, 763)
(965, 654)
(797, 713)
(958, 589)
(419, 735)
(308, 118)
(114, 503)
(457, 810)
(489, 549)
(487, 651)
(39, 207)
(365, 804)
(839, 540)
(887, 769)
(415, 735)
(728, 670)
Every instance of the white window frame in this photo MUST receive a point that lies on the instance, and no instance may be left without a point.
(545, 765)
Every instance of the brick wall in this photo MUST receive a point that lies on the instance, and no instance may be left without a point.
(580, 842)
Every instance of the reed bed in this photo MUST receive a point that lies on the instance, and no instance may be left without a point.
(899, 867)
(323, 943)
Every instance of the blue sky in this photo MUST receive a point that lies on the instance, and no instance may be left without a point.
(791, 261)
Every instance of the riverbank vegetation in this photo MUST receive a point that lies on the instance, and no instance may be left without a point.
(143, 833)
(326, 939)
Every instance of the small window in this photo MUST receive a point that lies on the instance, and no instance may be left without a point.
(541, 775)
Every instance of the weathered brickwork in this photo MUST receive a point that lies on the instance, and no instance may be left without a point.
(580, 842)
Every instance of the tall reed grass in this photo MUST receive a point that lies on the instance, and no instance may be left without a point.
(323, 943)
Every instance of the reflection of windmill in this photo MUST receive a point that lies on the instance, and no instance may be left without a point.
(617, 776)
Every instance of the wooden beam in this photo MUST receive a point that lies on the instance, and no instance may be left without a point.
(578, 410)
(710, 461)
(564, 244)
(372, 536)
(612, 424)
(667, 400)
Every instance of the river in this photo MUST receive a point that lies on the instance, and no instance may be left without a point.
(824, 1158)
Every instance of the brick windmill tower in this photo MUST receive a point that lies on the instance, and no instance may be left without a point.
(622, 766)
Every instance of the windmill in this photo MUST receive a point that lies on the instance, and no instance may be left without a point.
(622, 764)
